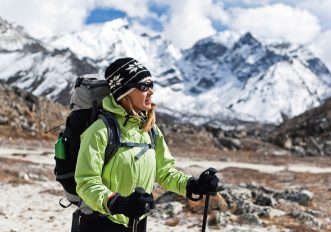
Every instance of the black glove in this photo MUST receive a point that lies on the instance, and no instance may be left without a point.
(206, 184)
(133, 206)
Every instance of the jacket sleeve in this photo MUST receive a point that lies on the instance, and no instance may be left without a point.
(89, 168)
(166, 173)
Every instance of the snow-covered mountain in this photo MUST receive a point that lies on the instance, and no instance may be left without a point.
(104, 43)
(32, 65)
(256, 81)
(226, 76)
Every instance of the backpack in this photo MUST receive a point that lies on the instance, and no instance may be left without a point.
(86, 107)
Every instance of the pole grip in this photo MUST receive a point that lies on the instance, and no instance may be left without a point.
(210, 171)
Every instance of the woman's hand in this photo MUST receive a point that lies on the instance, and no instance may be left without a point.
(133, 206)
(206, 184)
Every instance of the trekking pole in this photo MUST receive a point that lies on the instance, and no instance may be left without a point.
(147, 210)
(211, 172)
(135, 225)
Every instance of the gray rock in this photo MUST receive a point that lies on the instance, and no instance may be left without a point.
(303, 197)
(279, 152)
(255, 188)
(168, 210)
(38, 177)
(276, 213)
(263, 199)
(167, 197)
(240, 134)
(3, 120)
(310, 150)
(224, 218)
(298, 149)
(288, 143)
(231, 143)
(298, 141)
(327, 148)
(315, 213)
(173, 208)
(250, 208)
(251, 219)
(317, 144)
(236, 195)
(306, 218)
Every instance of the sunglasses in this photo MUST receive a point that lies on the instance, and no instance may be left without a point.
(143, 86)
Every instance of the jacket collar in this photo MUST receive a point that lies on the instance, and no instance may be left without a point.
(109, 103)
(112, 106)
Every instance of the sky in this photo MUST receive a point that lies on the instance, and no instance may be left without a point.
(183, 22)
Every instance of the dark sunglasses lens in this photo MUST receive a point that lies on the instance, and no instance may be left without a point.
(145, 86)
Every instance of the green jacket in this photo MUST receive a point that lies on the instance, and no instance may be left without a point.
(122, 174)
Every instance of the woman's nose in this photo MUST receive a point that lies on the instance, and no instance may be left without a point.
(150, 91)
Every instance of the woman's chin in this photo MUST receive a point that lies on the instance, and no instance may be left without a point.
(144, 108)
(148, 107)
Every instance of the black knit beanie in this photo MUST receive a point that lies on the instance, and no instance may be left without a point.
(122, 73)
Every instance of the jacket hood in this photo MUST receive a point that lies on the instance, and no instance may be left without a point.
(112, 106)
(109, 103)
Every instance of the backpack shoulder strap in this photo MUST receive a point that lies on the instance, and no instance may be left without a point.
(114, 137)
(153, 135)
(114, 134)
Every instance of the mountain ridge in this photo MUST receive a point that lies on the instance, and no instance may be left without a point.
(228, 75)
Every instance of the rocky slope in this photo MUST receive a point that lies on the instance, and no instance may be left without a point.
(308, 133)
(24, 115)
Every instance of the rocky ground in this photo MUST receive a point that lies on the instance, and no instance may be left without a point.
(248, 199)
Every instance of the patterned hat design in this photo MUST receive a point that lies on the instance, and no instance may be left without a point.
(122, 73)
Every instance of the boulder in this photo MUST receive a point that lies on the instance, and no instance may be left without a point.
(167, 197)
(302, 197)
(168, 210)
(231, 143)
(215, 203)
(306, 218)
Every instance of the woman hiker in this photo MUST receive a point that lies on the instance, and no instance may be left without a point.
(110, 189)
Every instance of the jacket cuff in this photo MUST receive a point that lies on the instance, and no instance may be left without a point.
(191, 186)
(111, 199)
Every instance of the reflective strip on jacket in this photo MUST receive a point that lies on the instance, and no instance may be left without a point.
(96, 182)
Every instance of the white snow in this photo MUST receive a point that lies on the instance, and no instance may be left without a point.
(287, 87)
(227, 38)
(13, 38)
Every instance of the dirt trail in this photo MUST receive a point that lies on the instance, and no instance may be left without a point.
(31, 194)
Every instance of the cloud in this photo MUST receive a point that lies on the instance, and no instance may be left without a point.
(46, 18)
(276, 21)
(134, 8)
(184, 22)
(320, 8)
(191, 20)
(321, 47)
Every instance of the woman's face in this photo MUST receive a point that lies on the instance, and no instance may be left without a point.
(142, 100)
